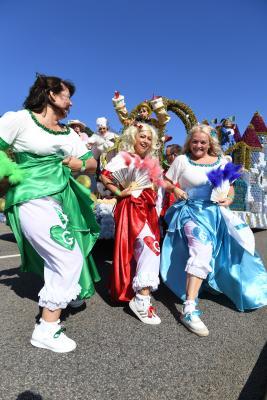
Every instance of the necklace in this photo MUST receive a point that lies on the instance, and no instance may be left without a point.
(51, 131)
(203, 165)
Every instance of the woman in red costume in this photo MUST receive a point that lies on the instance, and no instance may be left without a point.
(137, 254)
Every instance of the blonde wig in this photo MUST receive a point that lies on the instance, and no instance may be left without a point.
(214, 147)
(129, 135)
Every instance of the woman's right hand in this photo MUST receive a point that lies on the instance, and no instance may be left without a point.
(180, 194)
(125, 193)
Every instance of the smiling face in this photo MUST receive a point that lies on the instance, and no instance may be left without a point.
(143, 143)
(199, 145)
(102, 130)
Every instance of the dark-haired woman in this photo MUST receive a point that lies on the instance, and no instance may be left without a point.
(49, 213)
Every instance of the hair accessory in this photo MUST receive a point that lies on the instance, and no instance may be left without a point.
(138, 126)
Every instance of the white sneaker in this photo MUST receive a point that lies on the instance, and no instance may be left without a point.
(76, 303)
(147, 315)
(53, 339)
(194, 324)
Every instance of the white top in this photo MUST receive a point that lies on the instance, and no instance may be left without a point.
(21, 132)
(101, 143)
(190, 175)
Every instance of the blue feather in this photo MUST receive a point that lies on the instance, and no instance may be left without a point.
(231, 172)
(215, 177)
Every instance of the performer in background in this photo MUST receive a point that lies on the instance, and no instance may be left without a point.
(79, 128)
(49, 212)
(172, 151)
(205, 241)
(129, 177)
(144, 111)
(103, 140)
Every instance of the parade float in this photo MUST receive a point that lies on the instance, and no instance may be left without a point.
(250, 150)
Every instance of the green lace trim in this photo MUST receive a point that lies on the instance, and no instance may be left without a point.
(51, 131)
(203, 165)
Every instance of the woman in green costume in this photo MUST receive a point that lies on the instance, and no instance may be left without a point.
(49, 212)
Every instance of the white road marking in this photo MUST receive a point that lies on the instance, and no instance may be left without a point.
(10, 256)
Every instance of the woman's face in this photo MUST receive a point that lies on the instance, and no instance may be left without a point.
(62, 101)
(76, 128)
(199, 144)
(143, 143)
(102, 130)
(143, 113)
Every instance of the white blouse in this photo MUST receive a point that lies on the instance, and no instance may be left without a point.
(20, 131)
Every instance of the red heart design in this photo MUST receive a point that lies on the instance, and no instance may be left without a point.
(152, 244)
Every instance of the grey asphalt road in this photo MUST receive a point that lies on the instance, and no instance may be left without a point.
(120, 358)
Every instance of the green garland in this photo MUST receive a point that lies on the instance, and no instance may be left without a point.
(51, 131)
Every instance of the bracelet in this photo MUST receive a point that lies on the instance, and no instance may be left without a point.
(117, 192)
(83, 167)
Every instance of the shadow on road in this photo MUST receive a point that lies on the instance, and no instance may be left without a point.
(28, 395)
(256, 385)
(168, 298)
(24, 284)
(8, 237)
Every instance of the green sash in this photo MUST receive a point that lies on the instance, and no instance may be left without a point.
(47, 176)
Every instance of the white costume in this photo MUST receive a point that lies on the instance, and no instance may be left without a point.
(43, 210)
(101, 142)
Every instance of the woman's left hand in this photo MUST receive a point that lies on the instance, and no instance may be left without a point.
(75, 164)
(225, 202)
(180, 194)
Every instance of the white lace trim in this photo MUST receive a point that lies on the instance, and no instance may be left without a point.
(53, 301)
(198, 270)
(140, 282)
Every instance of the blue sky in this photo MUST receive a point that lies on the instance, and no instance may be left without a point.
(209, 54)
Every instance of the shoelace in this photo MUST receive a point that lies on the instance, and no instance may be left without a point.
(196, 313)
(58, 333)
(151, 311)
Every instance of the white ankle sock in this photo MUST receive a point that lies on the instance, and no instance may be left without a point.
(142, 301)
(47, 326)
(189, 306)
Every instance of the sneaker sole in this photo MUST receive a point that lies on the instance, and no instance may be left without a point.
(141, 319)
(77, 305)
(40, 345)
(198, 333)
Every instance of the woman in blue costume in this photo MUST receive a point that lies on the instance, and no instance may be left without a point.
(49, 212)
(199, 244)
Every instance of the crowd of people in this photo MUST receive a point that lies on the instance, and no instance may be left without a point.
(53, 221)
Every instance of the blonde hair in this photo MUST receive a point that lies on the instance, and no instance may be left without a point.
(128, 137)
(214, 147)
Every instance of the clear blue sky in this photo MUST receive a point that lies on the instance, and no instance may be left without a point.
(209, 54)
